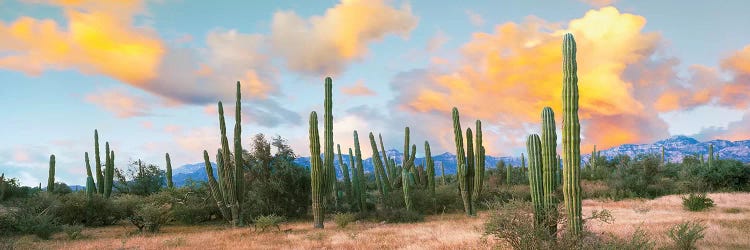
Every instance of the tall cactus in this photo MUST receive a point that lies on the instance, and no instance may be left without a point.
(406, 186)
(109, 173)
(663, 156)
(330, 177)
(229, 168)
(442, 174)
(470, 169)
(360, 173)
(355, 181)
(571, 140)
(90, 186)
(215, 187)
(51, 178)
(536, 180)
(170, 184)
(379, 169)
(386, 161)
(345, 171)
(462, 168)
(3, 187)
(99, 175)
(430, 168)
(549, 166)
(508, 174)
(317, 174)
(710, 156)
(479, 163)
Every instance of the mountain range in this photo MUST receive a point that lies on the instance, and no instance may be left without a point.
(675, 149)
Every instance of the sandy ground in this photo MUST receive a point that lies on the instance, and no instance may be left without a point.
(728, 228)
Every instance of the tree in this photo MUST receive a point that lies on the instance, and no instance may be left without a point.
(139, 179)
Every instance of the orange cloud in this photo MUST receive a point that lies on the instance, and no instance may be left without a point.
(339, 36)
(358, 89)
(505, 78)
(120, 103)
(99, 38)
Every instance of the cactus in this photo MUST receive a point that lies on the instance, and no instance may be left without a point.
(109, 172)
(508, 174)
(470, 169)
(479, 163)
(99, 175)
(549, 166)
(442, 174)
(330, 172)
(90, 185)
(3, 187)
(536, 180)
(462, 166)
(317, 174)
(51, 179)
(345, 171)
(215, 187)
(360, 173)
(230, 169)
(663, 158)
(170, 184)
(430, 168)
(386, 162)
(405, 184)
(355, 181)
(523, 164)
(571, 140)
(710, 156)
(559, 172)
(379, 169)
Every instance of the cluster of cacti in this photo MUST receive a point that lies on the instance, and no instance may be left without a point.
(407, 176)
(345, 171)
(170, 184)
(228, 191)
(381, 178)
(390, 165)
(51, 177)
(466, 162)
(571, 137)
(362, 191)
(104, 178)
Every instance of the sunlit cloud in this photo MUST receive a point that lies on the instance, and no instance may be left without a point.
(358, 89)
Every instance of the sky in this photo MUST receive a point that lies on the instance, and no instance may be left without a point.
(148, 74)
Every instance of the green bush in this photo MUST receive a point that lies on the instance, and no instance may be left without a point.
(511, 222)
(76, 208)
(8, 221)
(264, 222)
(151, 216)
(192, 205)
(73, 231)
(697, 202)
(343, 219)
(686, 234)
(43, 225)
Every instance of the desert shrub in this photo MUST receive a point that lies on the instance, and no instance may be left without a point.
(686, 234)
(697, 202)
(8, 221)
(639, 240)
(139, 178)
(43, 225)
(127, 204)
(264, 222)
(193, 205)
(727, 175)
(512, 223)
(343, 219)
(151, 216)
(76, 208)
(73, 231)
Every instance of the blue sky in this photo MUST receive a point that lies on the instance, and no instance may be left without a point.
(148, 74)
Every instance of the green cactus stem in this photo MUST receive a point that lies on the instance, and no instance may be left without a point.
(317, 174)
(430, 168)
(170, 184)
(710, 156)
(549, 167)
(330, 177)
(479, 163)
(571, 140)
(379, 169)
(99, 174)
(462, 167)
(536, 180)
(345, 171)
(51, 178)
(215, 187)
(355, 181)
(470, 169)
(360, 173)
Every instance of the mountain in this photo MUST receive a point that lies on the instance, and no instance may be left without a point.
(675, 148)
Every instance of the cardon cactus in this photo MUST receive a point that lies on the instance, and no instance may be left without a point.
(470, 169)
(3, 187)
(549, 166)
(355, 180)
(430, 168)
(99, 174)
(710, 156)
(388, 167)
(330, 172)
(478, 163)
(536, 180)
(464, 173)
(360, 173)
(230, 186)
(317, 174)
(508, 174)
(407, 178)
(663, 156)
(51, 178)
(345, 171)
(90, 186)
(170, 184)
(109, 172)
(571, 140)
(382, 178)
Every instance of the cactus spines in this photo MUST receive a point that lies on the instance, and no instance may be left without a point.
(170, 184)
(549, 166)
(536, 185)
(571, 136)
(430, 168)
(461, 163)
(51, 178)
(379, 169)
(99, 175)
(479, 162)
(317, 174)
(345, 171)
(230, 172)
(360, 173)
(330, 172)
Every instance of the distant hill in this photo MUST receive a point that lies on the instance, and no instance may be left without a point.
(675, 148)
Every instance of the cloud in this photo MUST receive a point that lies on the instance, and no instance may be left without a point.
(475, 18)
(437, 41)
(119, 102)
(505, 78)
(599, 3)
(339, 36)
(99, 38)
(358, 89)
(735, 131)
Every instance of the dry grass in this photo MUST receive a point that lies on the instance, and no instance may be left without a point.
(728, 227)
